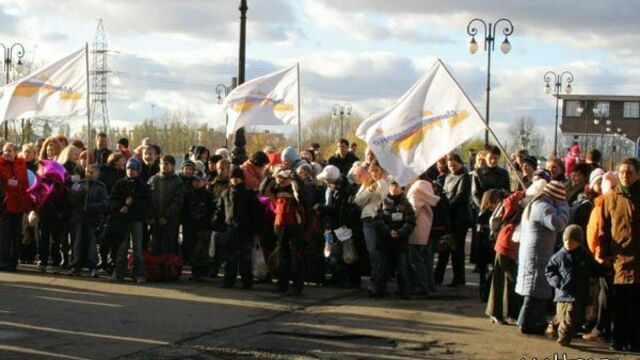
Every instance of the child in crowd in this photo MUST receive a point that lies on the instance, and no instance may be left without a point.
(89, 199)
(199, 208)
(568, 272)
(130, 200)
(167, 196)
(395, 225)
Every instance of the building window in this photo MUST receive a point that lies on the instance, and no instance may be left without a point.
(631, 109)
(572, 108)
(602, 107)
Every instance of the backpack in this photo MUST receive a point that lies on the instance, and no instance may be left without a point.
(441, 211)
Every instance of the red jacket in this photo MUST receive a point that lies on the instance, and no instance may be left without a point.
(16, 199)
(253, 175)
(504, 245)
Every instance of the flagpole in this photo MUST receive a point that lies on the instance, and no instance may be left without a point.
(299, 122)
(487, 128)
(86, 170)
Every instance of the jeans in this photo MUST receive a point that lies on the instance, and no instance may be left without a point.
(421, 268)
(603, 324)
(85, 238)
(135, 233)
(10, 240)
(371, 239)
(532, 316)
(399, 253)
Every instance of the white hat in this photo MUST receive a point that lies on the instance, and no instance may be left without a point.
(329, 173)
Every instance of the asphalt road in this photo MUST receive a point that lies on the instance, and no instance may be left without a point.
(61, 317)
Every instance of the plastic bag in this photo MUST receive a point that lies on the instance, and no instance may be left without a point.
(258, 263)
(349, 253)
(515, 237)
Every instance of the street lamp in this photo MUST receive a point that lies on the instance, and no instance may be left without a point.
(489, 46)
(342, 111)
(557, 79)
(8, 62)
(222, 91)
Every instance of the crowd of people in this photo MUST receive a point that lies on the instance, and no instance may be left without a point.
(564, 231)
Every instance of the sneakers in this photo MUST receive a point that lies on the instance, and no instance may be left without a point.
(551, 331)
(496, 320)
(593, 335)
(140, 279)
(93, 273)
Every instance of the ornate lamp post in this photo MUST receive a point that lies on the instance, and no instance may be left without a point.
(341, 111)
(239, 153)
(8, 63)
(557, 83)
(489, 46)
(222, 91)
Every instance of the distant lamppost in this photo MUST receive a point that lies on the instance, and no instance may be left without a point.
(341, 111)
(8, 62)
(616, 147)
(557, 82)
(489, 46)
(223, 90)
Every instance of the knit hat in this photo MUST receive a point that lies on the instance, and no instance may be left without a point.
(188, 163)
(575, 149)
(124, 142)
(596, 175)
(236, 172)
(543, 174)
(134, 164)
(290, 155)
(223, 152)
(531, 160)
(199, 165)
(573, 232)
(609, 181)
(259, 158)
(555, 190)
(329, 173)
(307, 169)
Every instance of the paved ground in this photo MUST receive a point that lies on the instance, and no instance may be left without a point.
(47, 317)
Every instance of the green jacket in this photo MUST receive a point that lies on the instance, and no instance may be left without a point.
(167, 197)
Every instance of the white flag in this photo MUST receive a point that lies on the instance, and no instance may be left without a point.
(268, 100)
(59, 89)
(430, 120)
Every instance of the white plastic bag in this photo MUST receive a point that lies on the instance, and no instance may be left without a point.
(258, 263)
(515, 237)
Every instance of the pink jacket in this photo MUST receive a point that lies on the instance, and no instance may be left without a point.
(422, 199)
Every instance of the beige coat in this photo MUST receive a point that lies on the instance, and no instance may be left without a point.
(422, 198)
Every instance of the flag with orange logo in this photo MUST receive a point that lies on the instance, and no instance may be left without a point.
(426, 123)
(271, 99)
(59, 89)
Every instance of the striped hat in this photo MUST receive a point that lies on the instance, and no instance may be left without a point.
(555, 190)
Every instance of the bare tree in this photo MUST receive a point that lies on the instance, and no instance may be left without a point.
(523, 134)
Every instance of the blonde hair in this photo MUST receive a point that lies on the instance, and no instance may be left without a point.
(54, 142)
(65, 155)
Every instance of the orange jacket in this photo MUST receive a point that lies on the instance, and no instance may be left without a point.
(593, 239)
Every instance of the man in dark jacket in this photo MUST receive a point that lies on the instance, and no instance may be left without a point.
(89, 201)
(489, 177)
(101, 152)
(167, 197)
(238, 214)
(396, 223)
(343, 159)
(130, 200)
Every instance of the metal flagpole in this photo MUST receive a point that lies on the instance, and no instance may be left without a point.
(299, 122)
(487, 128)
(86, 170)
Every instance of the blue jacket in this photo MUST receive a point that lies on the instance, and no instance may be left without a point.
(538, 233)
(568, 273)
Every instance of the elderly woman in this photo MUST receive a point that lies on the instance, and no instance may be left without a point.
(543, 219)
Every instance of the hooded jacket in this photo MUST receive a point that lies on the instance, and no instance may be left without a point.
(422, 198)
(139, 191)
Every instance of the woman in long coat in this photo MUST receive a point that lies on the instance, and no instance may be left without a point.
(543, 219)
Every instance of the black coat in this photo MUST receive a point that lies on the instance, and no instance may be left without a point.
(137, 189)
(199, 208)
(97, 202)
(458, 190)
(340, 208)
(343, 163)
(487, 178)
(389, 218)
(239, 207)
(109, 175)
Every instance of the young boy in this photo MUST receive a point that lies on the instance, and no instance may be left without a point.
(396, 222)
(87, 212)
(238, 214)
(568, 273)
(199, 207)
(130, 199)
(167, 196)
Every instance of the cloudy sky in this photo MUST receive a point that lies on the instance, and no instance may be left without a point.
(170, 55)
